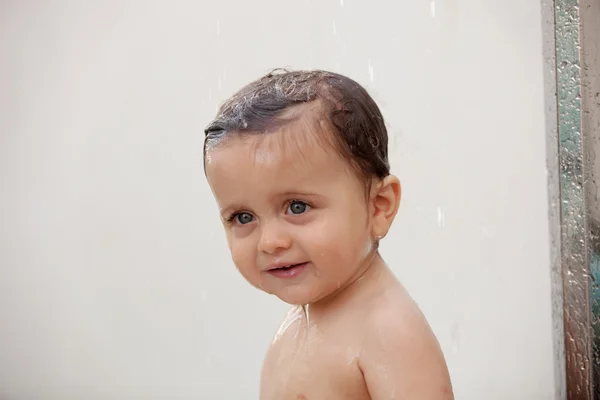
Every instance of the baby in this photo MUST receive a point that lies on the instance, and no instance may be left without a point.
(298, 164)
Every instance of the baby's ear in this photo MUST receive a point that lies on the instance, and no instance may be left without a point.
(385, 197)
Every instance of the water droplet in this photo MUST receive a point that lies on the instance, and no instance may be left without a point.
(432, 6)
(441, 214)
(342, 3)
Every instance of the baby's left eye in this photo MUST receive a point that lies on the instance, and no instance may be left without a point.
(297, 207)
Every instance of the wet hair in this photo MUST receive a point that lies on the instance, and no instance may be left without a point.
(358, 129)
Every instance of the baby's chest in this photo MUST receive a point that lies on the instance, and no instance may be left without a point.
(313, 370)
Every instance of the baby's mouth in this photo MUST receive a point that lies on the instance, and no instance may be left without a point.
(287, 267)
(288, 271)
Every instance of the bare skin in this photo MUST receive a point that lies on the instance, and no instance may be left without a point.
(370, 342)
(300, 225)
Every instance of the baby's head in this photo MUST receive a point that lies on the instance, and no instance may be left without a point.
(298, 164)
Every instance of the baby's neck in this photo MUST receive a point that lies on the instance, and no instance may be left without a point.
(366, 282)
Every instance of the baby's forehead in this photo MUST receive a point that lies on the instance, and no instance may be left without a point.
(301, 140)
(274, 159)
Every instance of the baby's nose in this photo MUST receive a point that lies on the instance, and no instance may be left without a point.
(273, 238)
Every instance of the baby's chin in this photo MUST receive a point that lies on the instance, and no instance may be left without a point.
(298, 296)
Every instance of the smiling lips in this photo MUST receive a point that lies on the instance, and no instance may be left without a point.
(286, 271)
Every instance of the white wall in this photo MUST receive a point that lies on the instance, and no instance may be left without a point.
(115, 280)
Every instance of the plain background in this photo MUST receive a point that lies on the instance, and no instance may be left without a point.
(115, 279)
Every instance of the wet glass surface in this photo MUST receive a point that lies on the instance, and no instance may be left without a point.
(579, 139)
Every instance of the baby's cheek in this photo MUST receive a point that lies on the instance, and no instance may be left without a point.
(245, 263)
(229, 238)
(238, 254)
(337, 248)
(326, 239)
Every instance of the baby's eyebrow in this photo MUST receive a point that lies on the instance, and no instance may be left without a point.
(228, 209)
(298, 193)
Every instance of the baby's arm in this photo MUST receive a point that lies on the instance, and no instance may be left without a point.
(401, 359)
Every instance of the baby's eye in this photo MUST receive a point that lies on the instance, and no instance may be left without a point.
(243, 218)
(297, 207)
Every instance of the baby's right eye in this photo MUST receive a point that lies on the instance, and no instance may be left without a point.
(243, 218)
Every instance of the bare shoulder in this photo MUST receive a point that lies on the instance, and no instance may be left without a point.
(396, 315)
(401, 356)
(281, 345)
(290, 324)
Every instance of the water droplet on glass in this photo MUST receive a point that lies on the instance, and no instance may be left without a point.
(432, 6)
(342, 3)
